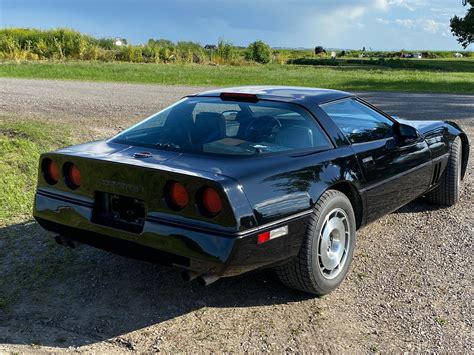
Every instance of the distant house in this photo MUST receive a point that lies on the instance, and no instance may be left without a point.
(457, 55)
(120, 41)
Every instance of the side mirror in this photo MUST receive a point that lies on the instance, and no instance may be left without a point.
(406, 132)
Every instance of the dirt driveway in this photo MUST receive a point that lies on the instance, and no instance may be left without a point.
(410, 287)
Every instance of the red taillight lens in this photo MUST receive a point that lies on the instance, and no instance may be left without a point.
(73, 175)
(177, 195)
(263, 237)
(210, 201)
(50, 171)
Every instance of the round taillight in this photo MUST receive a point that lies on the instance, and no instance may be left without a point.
(176, 195)
(72, 175)
(210, 201)
(50, 171)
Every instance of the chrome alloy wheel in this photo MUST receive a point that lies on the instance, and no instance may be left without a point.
(333, 243)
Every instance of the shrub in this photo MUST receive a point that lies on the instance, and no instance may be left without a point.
(259, 52)
(225, 52)
(91, 52)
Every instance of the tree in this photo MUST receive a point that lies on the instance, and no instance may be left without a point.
(463, 27)
(319, 50)
(259, 51)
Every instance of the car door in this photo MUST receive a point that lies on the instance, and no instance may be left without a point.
(396, 171)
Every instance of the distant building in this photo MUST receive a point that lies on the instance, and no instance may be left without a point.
(457, 55)
(120, 41)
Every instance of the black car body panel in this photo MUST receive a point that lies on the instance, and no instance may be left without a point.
(258, 193)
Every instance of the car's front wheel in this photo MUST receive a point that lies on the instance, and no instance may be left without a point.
(326, 253)
(448, 191)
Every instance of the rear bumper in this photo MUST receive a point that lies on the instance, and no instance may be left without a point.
(201, 251)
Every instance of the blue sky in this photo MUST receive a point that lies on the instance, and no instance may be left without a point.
(376, 24)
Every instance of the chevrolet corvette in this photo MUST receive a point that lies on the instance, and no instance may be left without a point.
(231, 180)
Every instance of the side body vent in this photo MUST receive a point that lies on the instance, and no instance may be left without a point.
(436, 174)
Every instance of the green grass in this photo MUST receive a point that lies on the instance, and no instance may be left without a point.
(352, 78)
(436, 65)
(21, 143)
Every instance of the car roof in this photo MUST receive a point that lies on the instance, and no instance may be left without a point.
(282, 93)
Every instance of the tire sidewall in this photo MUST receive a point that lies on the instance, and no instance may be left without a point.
(458, 167)
(322, 283)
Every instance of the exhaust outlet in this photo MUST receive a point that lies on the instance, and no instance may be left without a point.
(206, 280)
(189, 275)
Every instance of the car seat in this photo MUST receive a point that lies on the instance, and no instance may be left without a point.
(208, 127)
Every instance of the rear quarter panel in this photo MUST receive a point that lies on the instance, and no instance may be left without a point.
(287, 185)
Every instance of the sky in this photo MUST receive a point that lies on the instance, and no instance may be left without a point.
(344, 24)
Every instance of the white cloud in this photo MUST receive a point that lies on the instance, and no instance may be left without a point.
(381, 4)
(411, 5)
(432, 26)
(408, 23)
(332, 28)
(427, 25)
(382, 21)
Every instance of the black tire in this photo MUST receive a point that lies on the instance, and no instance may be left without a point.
(448, 191)
(304, 271)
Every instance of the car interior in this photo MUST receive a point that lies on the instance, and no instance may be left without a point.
(237, 131)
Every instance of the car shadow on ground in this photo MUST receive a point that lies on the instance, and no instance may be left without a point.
(56, 296)
(419, 205)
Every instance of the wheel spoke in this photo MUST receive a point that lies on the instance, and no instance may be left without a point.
(333, 243)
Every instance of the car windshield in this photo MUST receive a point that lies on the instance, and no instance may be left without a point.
(210, 125)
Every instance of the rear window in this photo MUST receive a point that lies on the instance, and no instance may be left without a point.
(206, 125)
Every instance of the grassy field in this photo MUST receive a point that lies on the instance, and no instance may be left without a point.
(20, 147)
(437, 76)
(437, 65)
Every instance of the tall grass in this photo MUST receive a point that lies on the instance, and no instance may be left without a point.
(66, 44)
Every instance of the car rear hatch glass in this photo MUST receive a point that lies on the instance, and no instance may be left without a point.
(214, 126)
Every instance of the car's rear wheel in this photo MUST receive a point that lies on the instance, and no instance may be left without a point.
(326, 253)
(448, 191)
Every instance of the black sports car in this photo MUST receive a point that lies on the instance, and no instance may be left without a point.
(232, 180)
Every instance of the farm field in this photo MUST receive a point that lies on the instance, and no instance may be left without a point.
(54, 299)
(435, 76)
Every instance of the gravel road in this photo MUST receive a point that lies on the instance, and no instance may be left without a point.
(410, 287)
